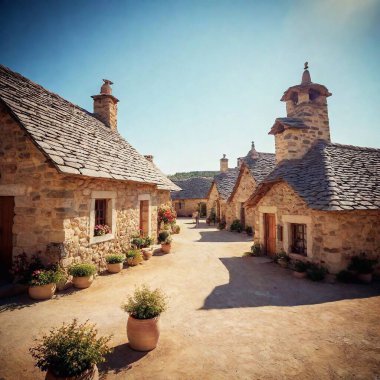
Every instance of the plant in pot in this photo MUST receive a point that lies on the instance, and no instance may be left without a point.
(83, 275)
(115, 262)
(101, 229)
(236, 226)
(316, 272)
(165, 240)
(71, 352)
(282, 259)
(222, 225)
(43, 283)
(144, 309)
(134, 257)
(176, 229)
(249, 230)
(363, 266)
(299, 269)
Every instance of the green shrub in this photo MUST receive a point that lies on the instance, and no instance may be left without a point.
(362, 264)
(236, 226)
(222, 225)
(256, 250)
(115, 258)
(176, 229)
(281, 256)
(249, 230)
(82, 270)
(300, 266)
(137, 241)
(134, 257)
(145, 303)
(45, 276)
(316, 272)
(164, 237)
(70, 349)
(346, 276)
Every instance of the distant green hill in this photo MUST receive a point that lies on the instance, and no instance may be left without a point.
(186, 175)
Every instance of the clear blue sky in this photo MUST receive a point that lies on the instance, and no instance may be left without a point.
(200, 78)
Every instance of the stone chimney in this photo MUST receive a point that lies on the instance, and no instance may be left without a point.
(224, 164)
(253, 152)
(105, 105)
(307, 119)
(149, 157)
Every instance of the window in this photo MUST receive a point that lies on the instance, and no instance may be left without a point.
(298, 239)
(100, 211)
(180, 205)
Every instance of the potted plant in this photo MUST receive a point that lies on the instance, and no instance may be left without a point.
(363, 267)
(165, 240)
(249, 230)
(176, 229)
(101, 229)
(115, 262)
(299, 269)
(43, 283)
(222, 225)
(70, 352)
(282, 259)
(316, 272)
(236, 226)
(134, 257)
(83, 275)
(144, 309)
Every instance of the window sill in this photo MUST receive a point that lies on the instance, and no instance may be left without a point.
(102, 238)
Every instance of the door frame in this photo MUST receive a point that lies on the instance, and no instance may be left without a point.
(146, 197)
(266, 233)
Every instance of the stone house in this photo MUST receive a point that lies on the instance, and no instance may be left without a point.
(192, 197)
(322, 201)
(65, 170)
(221, 188)
(253, 168)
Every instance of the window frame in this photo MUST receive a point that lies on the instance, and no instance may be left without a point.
(110, 217)
(298, 232)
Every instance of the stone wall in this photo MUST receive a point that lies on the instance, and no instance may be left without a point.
(246, 187)
(214, 201)
(55, 208)
(333, 236)
(188, 206)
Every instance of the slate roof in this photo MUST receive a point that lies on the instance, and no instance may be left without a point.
(72, 138)
(282, 123)
(330, 177)
(225, 182)
(192, 188)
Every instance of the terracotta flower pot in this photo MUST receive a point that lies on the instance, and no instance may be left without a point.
(147, 253)
(299, 274)
(143, 334)
(90, 374)
(133, 261)
(114, 268)
(42, 292)
(365, 277)
(83, 282)
(165, 248)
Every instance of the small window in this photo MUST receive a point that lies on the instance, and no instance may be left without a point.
(280, 233)
(180, 205)
(298, 243)
(102, 217)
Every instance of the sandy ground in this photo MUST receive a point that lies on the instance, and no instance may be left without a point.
(229, 318)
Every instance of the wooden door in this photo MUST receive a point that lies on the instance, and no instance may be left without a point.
(270, 234)
(144, 218)
(7, 205)
(242, 215)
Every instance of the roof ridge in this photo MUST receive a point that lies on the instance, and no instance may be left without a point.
(354, 147)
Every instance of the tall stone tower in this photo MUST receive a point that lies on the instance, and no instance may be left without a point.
(105, 105)
(307, 119)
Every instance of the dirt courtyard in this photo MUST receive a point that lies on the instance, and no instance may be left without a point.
(229, 318)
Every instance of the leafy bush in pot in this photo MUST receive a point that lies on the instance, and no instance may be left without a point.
(82, 270)
(164, 237)
(300, 266)
(176, 229)
(362, 264)
(115, 258)
(249, 230)
(236, 226)
(41, 277)
(281, 256)
(316, 272)
(256, 250)
(70, 349)
(222, 225)
(145, 303)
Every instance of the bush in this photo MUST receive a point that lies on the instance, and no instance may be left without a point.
(346, 276)
(70, 349)
(137, 241)
(145, 303)
(134, 257)
(236, 226)
(176, 229)
(164, 237)
(222, 225)
(316, 272)
(82, 270)
(256, 250)
(300, 266)
(44, 277)
(362, 264)
(249, 230)
(281, 256)
(115, 258)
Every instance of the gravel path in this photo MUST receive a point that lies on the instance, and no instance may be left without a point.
(229, 318)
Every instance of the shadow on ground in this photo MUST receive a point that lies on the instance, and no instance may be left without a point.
(121, 358)
(16, 302)
(216, 236)
(259, 282)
